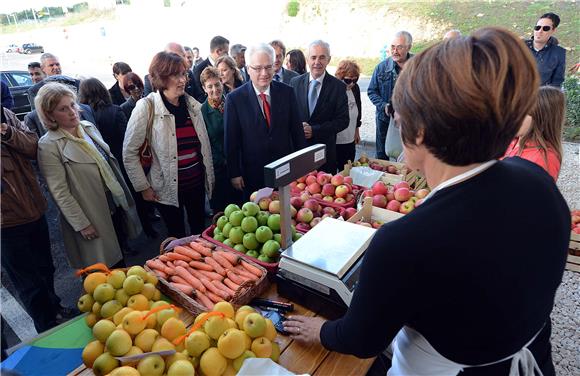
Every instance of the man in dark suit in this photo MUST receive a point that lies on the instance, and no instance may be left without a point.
(322, 103)
(261, 122)
(218, 46)
(177, 49)
(280, 73)
(237, 52)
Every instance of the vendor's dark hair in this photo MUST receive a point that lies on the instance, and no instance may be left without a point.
(552, 16)
(467, 97)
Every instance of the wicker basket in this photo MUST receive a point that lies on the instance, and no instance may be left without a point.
(243, 296)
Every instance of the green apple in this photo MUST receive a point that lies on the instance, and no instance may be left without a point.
(249, 224)
(262, 218)
(236, 235)
(271, 248)
(137, 270)
(230, 209)
(265, 258)
(229, 243)
(122, 297)
(293, 228)
(104, 292)
(263, 234)
(274, 222)
(250, 209)
(240, 248)
(116, 278)
(250, 241)
(254, 325)
(236, 218)
(278, 238)
(85, 303)
(152, 365)
(219, 237)
(118, 343)
(296, 236)
(110, 308)
(221, 222)
(217, 231)
(253, 253)
(104, 364)
(237, 363)
(226, 230)
(133, 284)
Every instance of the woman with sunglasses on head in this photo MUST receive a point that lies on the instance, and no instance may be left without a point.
(550, 58)
(348, 71)
(133, 85)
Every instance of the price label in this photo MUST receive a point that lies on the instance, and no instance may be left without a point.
(319, 155)
(283, 170)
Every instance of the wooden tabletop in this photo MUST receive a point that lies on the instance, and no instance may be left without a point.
(295, 357)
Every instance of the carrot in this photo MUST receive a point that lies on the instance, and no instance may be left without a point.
(201, 266)
(234, 278)
(222, 261)
(251, 268)
(215, 265)
(160, 274)
(204, 300)
(186, 251)
(178, 279)
(164, 258)
(191, 280)
(244, 274)
(196, 273)
(181, 263)
(223, 287)
(233, 259)
(234, 286)
(211, 275)
(173, 256)
(213, 297)
(200, 248)
(205, 243)
(186, 289)
(212, 288)
(158, 266)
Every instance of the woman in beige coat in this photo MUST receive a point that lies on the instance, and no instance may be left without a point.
(85, 181)
(181, 170)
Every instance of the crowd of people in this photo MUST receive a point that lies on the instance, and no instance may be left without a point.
(195, 128)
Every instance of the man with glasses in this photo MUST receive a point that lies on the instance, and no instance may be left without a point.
(382, 84)
(550, 58)
(36, 72)
(261, 122)
(281, 74)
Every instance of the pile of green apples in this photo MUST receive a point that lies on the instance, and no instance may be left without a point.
(252, 231)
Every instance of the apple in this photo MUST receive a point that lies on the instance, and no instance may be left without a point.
(250, 209)
(153, 365)
(274, 222)
(349, 212)
(237, 235)
(274, 207)
(253, 196)
(271, 248)
(304, 215)
(328, 198)
(250, 241)
(296, 202)
(339, 200)
(328, 189)
(313, 188)
(379, 188)
(304, 196)
(419, 202)
(407, 207)
(317, 195)
(301, 186)
(264, 203)
(390, 196)
(342, 191)
(329, 210)
(337, 180)
(393, 205)
(391, 169)
(253, 253)
(249, 224)
(254, 325)
(262, 218)
(349, 197)
(368, 193)
(293, 211)
(323, 178)
(313, 205)
(348, 179)
(402, 184)
(302, 227)
(310, 180)
(236, 218)
(323, 216)
(293, 185)
(275, 196)
(379, 201)
(376, 223)
(302, 179)
(315, 221)
(402, 194)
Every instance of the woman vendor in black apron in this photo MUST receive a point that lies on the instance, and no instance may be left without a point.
(465, 283)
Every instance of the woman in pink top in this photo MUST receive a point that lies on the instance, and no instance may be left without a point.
(540, 137)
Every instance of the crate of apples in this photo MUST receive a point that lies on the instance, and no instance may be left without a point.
(398, 198)
(336, 191)
(309, 212)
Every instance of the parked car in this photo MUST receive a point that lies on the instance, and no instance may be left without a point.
(12, 48)
(18, 83)
(29, 48)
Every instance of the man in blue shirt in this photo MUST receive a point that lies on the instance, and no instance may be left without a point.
(550, 58)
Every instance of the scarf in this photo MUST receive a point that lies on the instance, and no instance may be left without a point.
(105, 170)
(218, 106)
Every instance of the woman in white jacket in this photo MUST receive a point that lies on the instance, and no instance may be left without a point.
(181, 170)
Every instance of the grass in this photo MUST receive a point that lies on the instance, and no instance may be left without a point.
(68, 20)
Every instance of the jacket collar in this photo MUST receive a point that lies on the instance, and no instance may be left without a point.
(160, 108)
(87, 126)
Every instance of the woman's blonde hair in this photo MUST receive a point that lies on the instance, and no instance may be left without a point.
(547, 122)
(231, 63)
(48, 98)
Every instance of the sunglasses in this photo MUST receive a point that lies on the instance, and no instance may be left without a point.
(545, 28)
(349, 81)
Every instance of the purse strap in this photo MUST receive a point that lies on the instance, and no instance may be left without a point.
(150, 117)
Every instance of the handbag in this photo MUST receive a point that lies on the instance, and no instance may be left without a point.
(145, 156)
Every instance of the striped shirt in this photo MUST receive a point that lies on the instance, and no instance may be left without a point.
(189, 159)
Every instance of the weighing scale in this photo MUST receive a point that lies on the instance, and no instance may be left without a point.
(321, 270)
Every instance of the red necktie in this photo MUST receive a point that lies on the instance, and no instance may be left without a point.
(266, 106)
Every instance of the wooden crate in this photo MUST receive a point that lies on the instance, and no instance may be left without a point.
(573, 262)
(414, 178)
(369, 212)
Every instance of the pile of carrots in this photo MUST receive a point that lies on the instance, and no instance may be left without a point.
(208, 275)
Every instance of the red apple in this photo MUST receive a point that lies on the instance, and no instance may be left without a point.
(317, 195)
(327, 216)
(402, 184)
(339, 200)
(304, 196)
(264, 203)
(301, 180)
(376, 223)
(379, 188)
(315, 221)
(304, 215)
(313, 188)
(312, 204)
(302, 227)
(328, 198)
(402, 194)
(341, 191)
(323, 179)
(393, 205)
(328, 189)
(329, 210)
(275, 195)
(349, 197)
(293, 185)
(337, 180)
(253, 196)
(576, 230)
(368, 193)
(379, 201)
(274, 207)
(348, 180)
(390, 196)
(296, 202)
(301, 186)
(310, 179)
(422, 193)
(348, 212)
(407, 207)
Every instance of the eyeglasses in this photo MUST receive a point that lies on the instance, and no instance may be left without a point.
(349, 81)
(267, 68)
(398, 47)
(545, 28)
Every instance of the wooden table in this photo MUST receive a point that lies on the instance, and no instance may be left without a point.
(297, 358)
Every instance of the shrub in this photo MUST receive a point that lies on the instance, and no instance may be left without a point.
(572, 91)
(293, 7)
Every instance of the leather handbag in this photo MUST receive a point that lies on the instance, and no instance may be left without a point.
(145, 156)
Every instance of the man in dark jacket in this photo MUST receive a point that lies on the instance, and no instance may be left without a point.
(382, 84)
(218, 46)
(25, 238)
(322, 103)
(550, 57)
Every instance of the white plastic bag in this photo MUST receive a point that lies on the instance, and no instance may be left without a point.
(263, 367)
(365, 176)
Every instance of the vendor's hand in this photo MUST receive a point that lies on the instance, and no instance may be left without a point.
(304, 329)
(149, 195)
(89, 232)
(307, 130)
(4, 128)
(238, 183)
(356, 136)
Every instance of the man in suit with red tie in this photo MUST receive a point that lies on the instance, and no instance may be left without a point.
(322, 103)
(261, 122)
